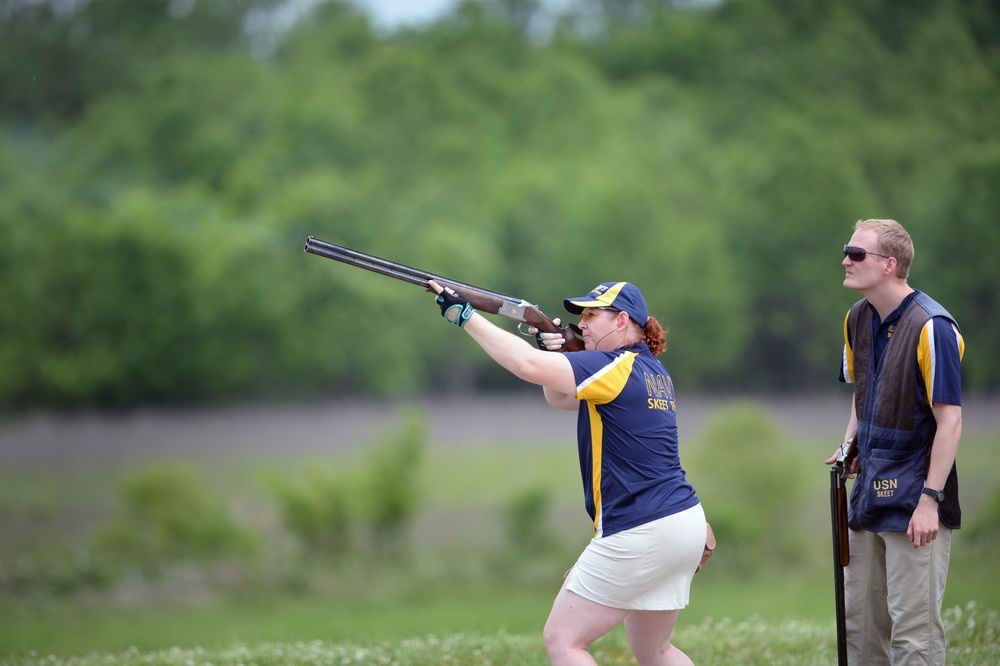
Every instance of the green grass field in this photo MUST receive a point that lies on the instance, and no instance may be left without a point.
(973, 641)
(461, 588)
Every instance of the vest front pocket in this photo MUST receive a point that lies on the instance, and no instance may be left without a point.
(890, 489)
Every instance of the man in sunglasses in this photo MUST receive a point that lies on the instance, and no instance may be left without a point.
(903, 354)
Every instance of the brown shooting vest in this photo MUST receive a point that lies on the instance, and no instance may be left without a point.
(896, 425)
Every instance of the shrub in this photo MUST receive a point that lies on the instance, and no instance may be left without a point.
(528, 530)
(390, 492)
(56, 573)
(327, 512)
(316, 510)
(168, 513)
(751, 481)
(985, 528)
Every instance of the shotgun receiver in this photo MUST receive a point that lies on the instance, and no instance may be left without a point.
(481, 299)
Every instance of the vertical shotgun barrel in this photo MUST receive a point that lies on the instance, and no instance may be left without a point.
(841, 552)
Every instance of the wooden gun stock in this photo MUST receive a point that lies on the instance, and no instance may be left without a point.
(839, 474)
(840, 513)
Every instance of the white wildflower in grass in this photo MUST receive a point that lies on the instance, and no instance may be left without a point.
(971, 626)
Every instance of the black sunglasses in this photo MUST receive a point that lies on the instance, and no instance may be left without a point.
(858, 254)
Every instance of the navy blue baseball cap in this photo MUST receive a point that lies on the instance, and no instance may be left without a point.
(623, 296)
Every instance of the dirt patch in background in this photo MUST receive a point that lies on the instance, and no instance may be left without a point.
(292, 431)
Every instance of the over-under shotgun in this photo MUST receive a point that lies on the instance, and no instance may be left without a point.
(841, 550)
(483, 300)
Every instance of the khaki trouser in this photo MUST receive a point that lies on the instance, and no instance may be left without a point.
(893, 596)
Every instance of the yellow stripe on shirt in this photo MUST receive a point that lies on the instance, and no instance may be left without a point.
(848, 359)
(925, 359)
(926, 356)
(598, 389)
(604, 386)
(596, 452)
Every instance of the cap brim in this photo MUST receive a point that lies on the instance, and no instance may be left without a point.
(576, 305)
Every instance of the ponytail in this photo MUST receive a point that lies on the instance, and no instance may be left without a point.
(656, 337)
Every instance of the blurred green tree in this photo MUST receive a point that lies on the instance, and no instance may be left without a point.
(717, 155)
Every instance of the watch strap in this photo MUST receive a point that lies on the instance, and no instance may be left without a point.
(938, 495)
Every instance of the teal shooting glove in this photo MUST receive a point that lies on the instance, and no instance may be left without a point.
(450, 300)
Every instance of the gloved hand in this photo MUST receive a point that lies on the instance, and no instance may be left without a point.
(451, 301)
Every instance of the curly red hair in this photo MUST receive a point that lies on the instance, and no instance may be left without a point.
(655, 336)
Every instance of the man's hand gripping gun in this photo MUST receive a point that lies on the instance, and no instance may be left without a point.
(481, 299)
(839, 473)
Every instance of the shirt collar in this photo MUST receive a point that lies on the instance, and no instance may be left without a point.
(898, 312)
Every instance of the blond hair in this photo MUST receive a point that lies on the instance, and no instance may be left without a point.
(892, 240)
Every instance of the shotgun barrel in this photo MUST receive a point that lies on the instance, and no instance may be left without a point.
(484, 300)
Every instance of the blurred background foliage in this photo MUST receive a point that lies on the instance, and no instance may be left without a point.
(162, 163)
(288, 528)
(406, 519)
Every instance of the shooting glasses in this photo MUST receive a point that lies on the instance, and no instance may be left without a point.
(858, 254)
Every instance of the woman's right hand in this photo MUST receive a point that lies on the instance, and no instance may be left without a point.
(548, 341)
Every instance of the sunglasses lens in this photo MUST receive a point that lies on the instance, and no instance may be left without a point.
(855, 254)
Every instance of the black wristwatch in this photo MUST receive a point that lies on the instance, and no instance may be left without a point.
(938, 495)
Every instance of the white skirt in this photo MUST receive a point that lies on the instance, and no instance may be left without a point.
(649, 567)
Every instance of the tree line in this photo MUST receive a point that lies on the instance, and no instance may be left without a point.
(162, 163)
